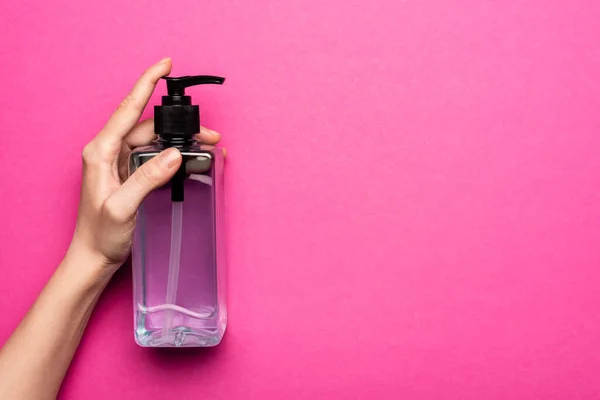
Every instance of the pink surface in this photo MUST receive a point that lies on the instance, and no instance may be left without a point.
(412, 190)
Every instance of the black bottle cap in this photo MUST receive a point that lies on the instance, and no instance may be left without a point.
(176, 116)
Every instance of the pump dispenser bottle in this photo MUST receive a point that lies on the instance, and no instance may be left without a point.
(178, 255)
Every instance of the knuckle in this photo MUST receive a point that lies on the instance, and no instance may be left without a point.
(91, 154)
(126, 101)
(95, 153)
(87, 155)
(130, 103)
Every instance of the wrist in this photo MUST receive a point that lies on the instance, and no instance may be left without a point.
(87, 266)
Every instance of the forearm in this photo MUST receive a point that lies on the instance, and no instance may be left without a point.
(34, 360)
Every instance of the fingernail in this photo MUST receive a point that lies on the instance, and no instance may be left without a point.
(214, 133)
(169, 158)
(164, 60)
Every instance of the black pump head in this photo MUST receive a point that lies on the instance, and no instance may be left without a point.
(176, 116)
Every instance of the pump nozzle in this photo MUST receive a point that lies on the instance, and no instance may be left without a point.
(176, 86)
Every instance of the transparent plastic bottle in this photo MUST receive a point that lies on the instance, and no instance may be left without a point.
(178, 252)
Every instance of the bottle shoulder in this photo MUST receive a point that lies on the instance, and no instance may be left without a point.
(211, 151)
(198, 159)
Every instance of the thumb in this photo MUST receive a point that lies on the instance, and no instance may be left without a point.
(151, 175)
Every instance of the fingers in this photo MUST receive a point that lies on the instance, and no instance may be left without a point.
(151, 175)
(129, 111)
(208, 136)
(141, 135)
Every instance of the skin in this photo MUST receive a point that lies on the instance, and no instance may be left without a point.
(35, 359)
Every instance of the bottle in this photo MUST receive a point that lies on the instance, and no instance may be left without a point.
(178, 249)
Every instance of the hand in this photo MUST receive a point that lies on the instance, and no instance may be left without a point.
(109, 201)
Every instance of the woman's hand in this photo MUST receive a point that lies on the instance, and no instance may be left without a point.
(33, 365)
(109, 200)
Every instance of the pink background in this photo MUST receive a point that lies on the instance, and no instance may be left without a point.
(412, 191)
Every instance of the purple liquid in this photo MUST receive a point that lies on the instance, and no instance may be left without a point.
(193, 318)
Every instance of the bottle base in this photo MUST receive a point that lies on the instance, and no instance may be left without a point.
(179, 337)
(172, 326)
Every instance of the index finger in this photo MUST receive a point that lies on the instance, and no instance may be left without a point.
(130, 110)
